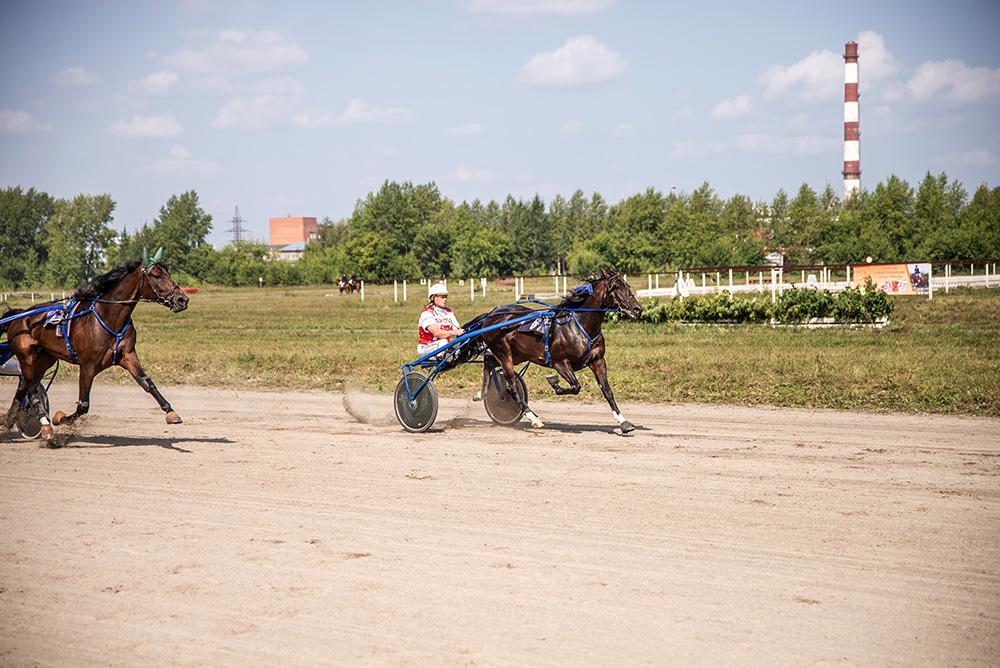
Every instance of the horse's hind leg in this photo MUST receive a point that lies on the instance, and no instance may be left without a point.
(507, 364)
(15, 405)
(600, 369)
(564, 369)
(130, 362)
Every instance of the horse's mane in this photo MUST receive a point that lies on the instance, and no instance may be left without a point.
(580, 293)
(98, 285)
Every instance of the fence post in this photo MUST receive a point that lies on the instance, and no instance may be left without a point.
(565, 289)
(657, 281)
(760, 280)
(947, 278)
(649, 281)
(773, 297)
(472, 290)
(395, 291)
(730, 280)
(362, 289)
(556, 278)
(404, 290)
(482, 281)
(703, 284)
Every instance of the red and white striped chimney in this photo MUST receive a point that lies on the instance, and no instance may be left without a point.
(852, 122)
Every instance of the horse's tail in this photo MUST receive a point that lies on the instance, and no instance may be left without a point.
(9, 312)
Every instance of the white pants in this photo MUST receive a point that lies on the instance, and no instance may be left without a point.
(425, 348)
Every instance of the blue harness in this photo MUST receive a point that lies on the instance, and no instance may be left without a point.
(64, 323)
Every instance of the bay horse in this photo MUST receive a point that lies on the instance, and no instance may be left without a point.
(573, 340)
(95, 332)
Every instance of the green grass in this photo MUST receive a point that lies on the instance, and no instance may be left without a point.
(940, 356)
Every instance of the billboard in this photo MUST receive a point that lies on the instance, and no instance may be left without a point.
(897, 279)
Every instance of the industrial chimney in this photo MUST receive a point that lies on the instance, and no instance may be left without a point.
(852, 119)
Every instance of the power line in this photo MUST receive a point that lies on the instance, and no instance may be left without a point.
(238, 231)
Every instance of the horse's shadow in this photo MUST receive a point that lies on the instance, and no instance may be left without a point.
(97, 442)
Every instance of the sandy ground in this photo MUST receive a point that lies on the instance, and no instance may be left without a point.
(278, 529)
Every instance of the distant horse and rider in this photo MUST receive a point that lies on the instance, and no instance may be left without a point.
(94, 330)
(348, 285)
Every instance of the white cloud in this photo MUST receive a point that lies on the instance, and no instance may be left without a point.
(74, 76)
(696, 149)
(147, 127)
(737, 107)
(465, 174)
(875, 63)
(241, 51)
(580, 60)
(623, 130)
(180, 163)
(254, 112)
(466, 129)
(533, 7)
(158, 83)
(572, 127)
(20, 122)
(356, 112)
(954, 81)
(817, 77)
(782, 145)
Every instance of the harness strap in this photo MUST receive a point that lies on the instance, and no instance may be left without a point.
(118, 335)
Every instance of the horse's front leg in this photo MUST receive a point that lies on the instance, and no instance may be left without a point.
(600, 370)
(87, 374)
(506, 359)
(564, 369)
(130, 362)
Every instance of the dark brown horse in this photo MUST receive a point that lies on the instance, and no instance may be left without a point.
(96, 332)
(573, 340)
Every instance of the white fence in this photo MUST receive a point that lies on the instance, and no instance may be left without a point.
(776, 280)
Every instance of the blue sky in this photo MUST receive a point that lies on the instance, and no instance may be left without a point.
(301, 108)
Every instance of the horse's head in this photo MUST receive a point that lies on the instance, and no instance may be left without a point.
(619, 295)
(158, 286)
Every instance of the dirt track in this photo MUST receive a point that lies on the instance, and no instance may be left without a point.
(276, 529)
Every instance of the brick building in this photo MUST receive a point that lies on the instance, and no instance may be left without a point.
(289, 235)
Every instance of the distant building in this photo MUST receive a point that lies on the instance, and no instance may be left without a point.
(289, 236)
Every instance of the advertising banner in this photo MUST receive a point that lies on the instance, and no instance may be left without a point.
(896, 279)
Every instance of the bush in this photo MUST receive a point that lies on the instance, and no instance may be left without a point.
(793, 306)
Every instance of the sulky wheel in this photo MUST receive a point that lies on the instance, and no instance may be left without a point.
(29, 423)
(503, 408)
(419, 415)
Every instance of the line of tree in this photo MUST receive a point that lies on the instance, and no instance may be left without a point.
(410, 231)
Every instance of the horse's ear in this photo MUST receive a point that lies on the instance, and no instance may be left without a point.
(145, 258)
(159, 255)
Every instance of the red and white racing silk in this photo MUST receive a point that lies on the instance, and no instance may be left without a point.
(433, 315)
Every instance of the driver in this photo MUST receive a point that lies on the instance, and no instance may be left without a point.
(438, 324)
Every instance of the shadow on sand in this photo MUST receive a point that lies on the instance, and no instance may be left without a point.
(132, 442)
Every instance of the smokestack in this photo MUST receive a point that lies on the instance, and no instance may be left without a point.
(852, 122)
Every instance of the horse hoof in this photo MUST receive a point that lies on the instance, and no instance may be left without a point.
(627, 427)
(478, 396)
(173, 418)
(48, 435)
(537, 424)
(58, 418)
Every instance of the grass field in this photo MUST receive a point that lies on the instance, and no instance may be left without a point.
(940, 356)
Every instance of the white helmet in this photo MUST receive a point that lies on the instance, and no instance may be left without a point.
(437, 289)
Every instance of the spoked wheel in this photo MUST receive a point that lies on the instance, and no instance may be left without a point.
(419, 415)
(502, 407)
(29, 423)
